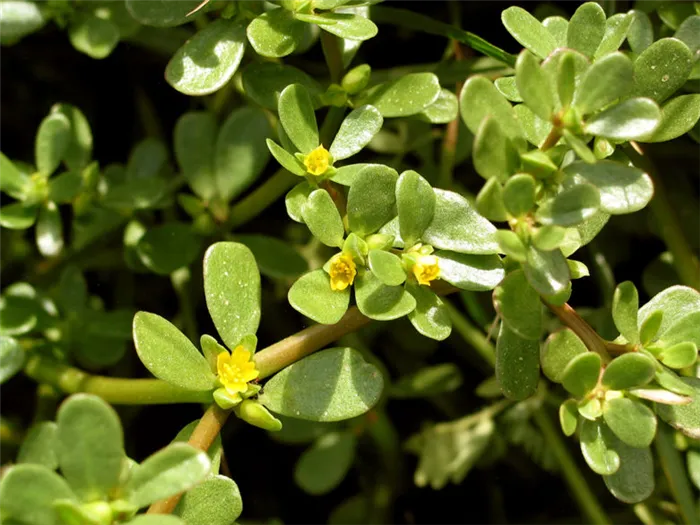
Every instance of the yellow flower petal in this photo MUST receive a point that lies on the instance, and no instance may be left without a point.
(317, 161)
(236, 370)
(426, 269)
(342, 271)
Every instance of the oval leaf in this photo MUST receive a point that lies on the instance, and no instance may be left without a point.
(215, 501)
(297, 117)
(372, 199)
(519, 306)
(325, 464)
(380, 302)
(323, 219)
(404, 96)
(168, 247)
(631, 421)
(558, 350)
(628, 371)
(517, 364)
(356, 131)
(312, 296)
(430, 317)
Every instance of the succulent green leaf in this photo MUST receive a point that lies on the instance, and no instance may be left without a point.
(173, 469)
(296, 198)
(17, 216)
(632, 119)
(519, 306)
(415, 203)
(689, 33)
(160, 13)
(286, 159)
(673, 13)
(568, 417)
(494, 155)
(685, 418)
(678, 116)
(548, 238)
(456, 226)
(580, 147)
(405, 96)
(297, 117)
(566, 79)
(512, 245)
(628, 371)
(89, 446)
(590, 408)
(470, 272)
(349, 26)
(276, 33)
(49, 230)
(517, 364)
(35, 506)
(323, 219)
(662, 68)
(208, 60)
(519, 194)
(445, 108)
(386, 267)
(616, 29)
(38, 446)
(529, 31)
(547, 272)
(623, 189)
(581, 374)
(232, 290)
(14, 182)
(12, 357)
(52, 141)
(634, 480)
(372, 199)
(312, 296)
(677, 303)
(275, 258)
(79, 150)
(680, 355)
(215, 501)
(356, 131)
(534, 129)
(194, 140)
(569, 207)
(489, 201)
(558, 27)
(240, 154)
(330, 385)
(641, 32)
(586, 28)
(557, 351)
(480, 98)
(264, 81)
(65, 187)
(598, 455)
(19, 18)
(534, 85)
(631, 421)
(624, 311)
(608, 79)
(169, 354)
(379, 301)
(168, 247)
(650, 327)
(324, 465)
(508, 88)
(94, 36)
(430, 316)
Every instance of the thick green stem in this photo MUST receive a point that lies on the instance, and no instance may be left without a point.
(577, 483)
(675, 473)
(113, 390)
(684, 259)
(267, 193)
(411, 20)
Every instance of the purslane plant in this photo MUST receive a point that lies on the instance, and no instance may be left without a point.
(559, 133)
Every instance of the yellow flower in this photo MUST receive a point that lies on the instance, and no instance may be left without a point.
(235, 370)
(426, 269)
(342, 271)
(317, 161)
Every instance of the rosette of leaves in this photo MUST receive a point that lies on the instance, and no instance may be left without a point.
(63, 138)
(94, 28)
(285, 28)
(331, 385)
(402, 234)
(416, 95)
(98, 483)
(610, 399)
(219, 162)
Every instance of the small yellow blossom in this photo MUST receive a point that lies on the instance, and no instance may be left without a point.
(235, 370)
(426, 269)
(342, 271)
(317, 161)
